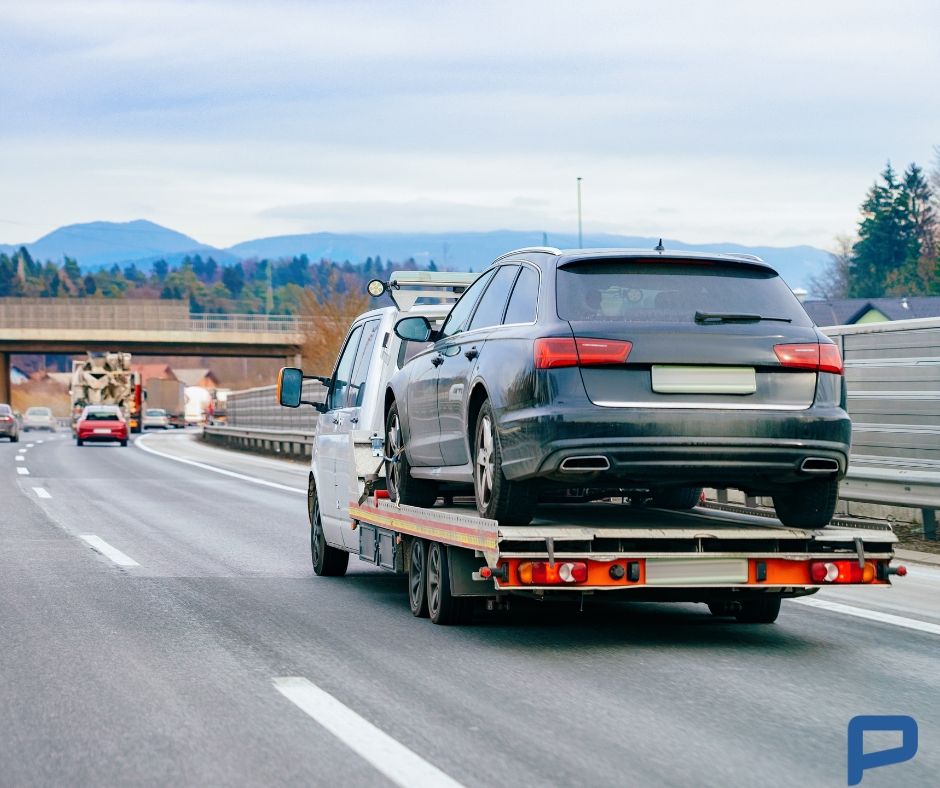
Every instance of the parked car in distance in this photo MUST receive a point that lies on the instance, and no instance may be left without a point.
(642, 374)
(8, 426)
(101, 423)
(156, 419)
(38, 419)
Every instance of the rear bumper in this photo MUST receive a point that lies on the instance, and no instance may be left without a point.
(102, 438)
(645, 447)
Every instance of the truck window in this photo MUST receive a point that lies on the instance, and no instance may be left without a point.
(524, 301)
(357, 387)
(341, 379)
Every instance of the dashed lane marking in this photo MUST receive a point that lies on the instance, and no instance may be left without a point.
(871, 615)
(20, 458)
(41, 492)
(22, 471)
(402, 766)
(29, 445)
(141, 445)
(107, 551)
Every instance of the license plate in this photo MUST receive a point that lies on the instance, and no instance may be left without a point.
(695, 571)
(704, 380)
(102, 431)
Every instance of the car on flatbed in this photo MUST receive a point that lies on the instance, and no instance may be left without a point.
(582, 540)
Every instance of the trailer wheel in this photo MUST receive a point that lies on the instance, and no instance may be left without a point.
(417, 578)
(443, 607)
(759, 611)
(807, 504)
(402, 487)
(327, 561)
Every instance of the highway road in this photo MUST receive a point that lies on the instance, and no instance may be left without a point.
(156, 654)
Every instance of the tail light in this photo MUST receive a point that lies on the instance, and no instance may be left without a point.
(841, 572)
(541, 573)
(6, 418)
(810, 355)
(555, 352)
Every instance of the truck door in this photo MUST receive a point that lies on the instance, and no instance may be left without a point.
(331, 441)
(460, 353)
(346, 472)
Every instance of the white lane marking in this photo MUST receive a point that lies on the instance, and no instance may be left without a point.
(109, 552)
(393, 759)
(139, 442)
(20, 458)
(871, 615)
(41, 492)
(22, 471)
(22, 451)
(29, 446)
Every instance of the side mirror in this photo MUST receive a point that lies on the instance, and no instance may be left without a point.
(289, 386)
(413, 329)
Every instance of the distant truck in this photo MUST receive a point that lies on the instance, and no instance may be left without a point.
(106, 379)
(168, 395)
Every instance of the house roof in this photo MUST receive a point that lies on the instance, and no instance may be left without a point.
(196, 377)
(149, 371)
(846, 311)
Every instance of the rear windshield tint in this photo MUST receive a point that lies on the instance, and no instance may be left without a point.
(650, 292)
(102, 415)
(39, 412)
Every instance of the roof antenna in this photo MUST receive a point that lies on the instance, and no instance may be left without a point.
(660, 248)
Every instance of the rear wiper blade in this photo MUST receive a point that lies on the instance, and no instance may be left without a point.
(735, 317)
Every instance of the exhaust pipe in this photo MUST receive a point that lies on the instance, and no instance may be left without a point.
(595, 462)
(819, 465)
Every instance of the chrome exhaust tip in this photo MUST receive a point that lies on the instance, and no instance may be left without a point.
(595, 462)
(819, 465)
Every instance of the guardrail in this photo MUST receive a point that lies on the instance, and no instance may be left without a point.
(294, 443)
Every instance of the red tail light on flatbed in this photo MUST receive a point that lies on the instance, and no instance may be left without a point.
(556, 352)
(810, 355)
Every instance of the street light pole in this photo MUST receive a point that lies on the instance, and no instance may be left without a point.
(580, 241)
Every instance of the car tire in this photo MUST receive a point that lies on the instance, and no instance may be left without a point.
(79, 442)
(676, 498)
(124, 443)
(759, 611)
(443, 607)
(807, 504)
(327, 561)
(418, 578)
(498, 498)
(402, 487)
(14, 439)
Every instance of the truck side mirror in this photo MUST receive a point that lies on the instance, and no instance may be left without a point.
(413, 329)
(289, 385)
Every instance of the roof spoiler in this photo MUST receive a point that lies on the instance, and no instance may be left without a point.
(406, 287)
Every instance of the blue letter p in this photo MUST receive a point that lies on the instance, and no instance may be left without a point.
(859, 761)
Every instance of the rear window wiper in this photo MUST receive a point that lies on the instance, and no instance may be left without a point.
(735, 317)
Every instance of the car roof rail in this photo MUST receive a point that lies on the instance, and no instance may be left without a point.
(540, 249)
(406, 287)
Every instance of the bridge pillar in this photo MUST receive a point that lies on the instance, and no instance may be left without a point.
(294, 360)
(5, 378)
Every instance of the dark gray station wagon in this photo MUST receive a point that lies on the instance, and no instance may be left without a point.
(647, 374)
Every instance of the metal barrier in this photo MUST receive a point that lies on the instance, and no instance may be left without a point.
(892, 374)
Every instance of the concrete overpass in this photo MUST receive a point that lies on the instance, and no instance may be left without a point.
(140, 327)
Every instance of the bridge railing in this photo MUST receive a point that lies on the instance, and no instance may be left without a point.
(97, 314)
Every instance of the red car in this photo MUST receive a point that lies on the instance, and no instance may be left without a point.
(101, 423)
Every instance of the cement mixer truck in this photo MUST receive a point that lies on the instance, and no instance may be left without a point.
(106, 379)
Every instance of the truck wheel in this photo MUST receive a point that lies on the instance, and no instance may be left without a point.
(498, 498)
(759, 611)
(417, 578)
(327, 561)
(807, 504)
(443, 607)
(402, 487)
(676, 497)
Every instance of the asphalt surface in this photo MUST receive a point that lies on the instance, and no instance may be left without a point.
(163, 673)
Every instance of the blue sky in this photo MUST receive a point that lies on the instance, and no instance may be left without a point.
(756, 123)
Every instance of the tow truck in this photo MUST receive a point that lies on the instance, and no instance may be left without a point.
(738, 561)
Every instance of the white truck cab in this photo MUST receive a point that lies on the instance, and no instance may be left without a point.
(352, 415)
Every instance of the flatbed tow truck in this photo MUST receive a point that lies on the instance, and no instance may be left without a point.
(738, 562)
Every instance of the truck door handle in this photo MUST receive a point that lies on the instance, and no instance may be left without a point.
(437, 361)
(472, 353)
(335, 420)
(354, 420)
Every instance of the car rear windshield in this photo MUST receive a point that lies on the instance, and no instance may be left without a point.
(156, 412)
(102, 415)
(5, 410)
(38, 412)
(621, 291)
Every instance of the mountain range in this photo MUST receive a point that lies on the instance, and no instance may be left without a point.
(98, 244)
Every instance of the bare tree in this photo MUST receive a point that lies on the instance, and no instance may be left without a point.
(331, 310)
(833, 281)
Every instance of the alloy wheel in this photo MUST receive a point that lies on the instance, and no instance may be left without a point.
(393, 447)
(434, 579)
(317, 542)
(485, 467)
